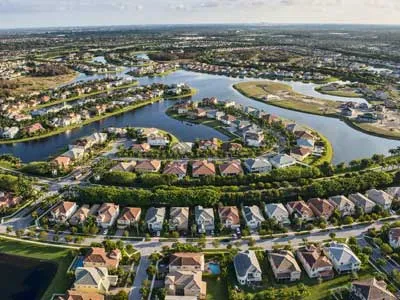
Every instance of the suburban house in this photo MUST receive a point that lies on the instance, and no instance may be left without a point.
(257, 165)
(178, 168)
(8, 200)
(179, 219)
(380, 197)
(63, 211)
(282, 161)
(342, 257)
(186, 283)
(278, 212)
(284, 265)
(231, 147)
(300, 210)
(300, 153)
(316, 264)
(252, 216)
(370, 289)
(321, 208)
(142, 148)
(148, 166)
(228, 119)
(98, 257)
(363, 202)
(155, 218)
(124, 166)
(343, 205)
(186, 261)
(203, 168)
(212, 144)
(182, 147)
(93, 279)
(253, 138)
(129, 217)
(74, 154)
(107, 214)
(157, 140)
(80, 216)
(394, 237)
(247, 267)
(204, 218)
(231, 168)
(229, 216)
(63, 162)
(75, 295)
(32, 129)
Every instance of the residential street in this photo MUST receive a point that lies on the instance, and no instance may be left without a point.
(141, 275)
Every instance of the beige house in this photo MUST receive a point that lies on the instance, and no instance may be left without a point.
(80, 216)
(370, 289)
(98, 257)
(93, 279)
(186, 283)
(316, 264)
(179, 218)
(229, 216)
(107, 214)
(129, 216)
(343, 205)
(284, 266)
(394, 237)
(63, 211)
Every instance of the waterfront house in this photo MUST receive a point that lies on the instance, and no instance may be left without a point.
(316, 264)
(186, 261)
(278, 212)
(203, 168)
(62, 162)
(107, 215)
(229, 216)
(231, 168)
(76, 295)
(247, 268)
(370, 289)
(98, 257)
(363, 202)
(130, 216)
(63, 211)
(141, 148)
(284, 266)
(212, 144)
(155, 218)
(197, 113)
(253, 138)
(342, 257)
(252, 216)
(178, 168)
(282, 161)
(93, 279)
(75, 154)
(32, 129)
(148, 166)
(182, 147)
(300, 210)
(257, 165)
(344, 205)
(300, 153)
(9, 132)
(231, 147)
(158, 140)
(380, 197)
(394, 237)
(321, 208)
(179, 219)
(228, 119)
(204, 218)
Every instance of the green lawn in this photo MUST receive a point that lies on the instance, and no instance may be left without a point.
(217, 288)
(62, 257)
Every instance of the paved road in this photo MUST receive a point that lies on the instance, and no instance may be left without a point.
(141, 275)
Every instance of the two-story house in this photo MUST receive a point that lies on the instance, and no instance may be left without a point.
(247, 267)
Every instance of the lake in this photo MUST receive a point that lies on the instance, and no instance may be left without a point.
(24, 278)
(348, 143)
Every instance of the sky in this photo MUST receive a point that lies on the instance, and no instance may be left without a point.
(48, 13)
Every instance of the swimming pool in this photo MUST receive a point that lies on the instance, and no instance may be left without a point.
(214, 268)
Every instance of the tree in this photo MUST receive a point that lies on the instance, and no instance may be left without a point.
(122, 295)
(332, 235)
(43, 235)
(386, 249)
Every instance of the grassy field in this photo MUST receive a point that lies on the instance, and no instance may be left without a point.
(289, 99)
(217, 289)
(339, 93)
(62, 257)
(28, 84)
(378, 131)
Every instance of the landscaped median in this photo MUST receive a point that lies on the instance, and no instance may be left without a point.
(97, 118)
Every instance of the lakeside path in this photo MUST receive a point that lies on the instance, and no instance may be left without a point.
(98, 118)
(288, 99)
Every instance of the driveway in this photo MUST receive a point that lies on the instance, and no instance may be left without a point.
(141, 275)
